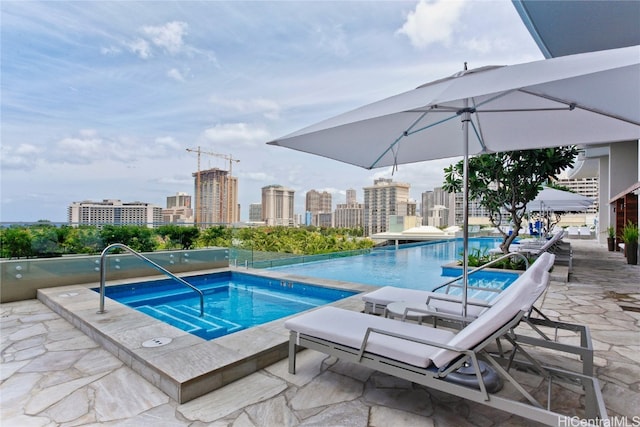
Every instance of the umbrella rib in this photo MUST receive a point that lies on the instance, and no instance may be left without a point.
(407, 133)
(573, 105)
(480, 139)
(516, 110)
(397, 140)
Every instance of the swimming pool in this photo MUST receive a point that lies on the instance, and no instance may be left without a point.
(233, 301)
(415, 266)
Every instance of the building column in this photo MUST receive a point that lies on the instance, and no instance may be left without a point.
(606, 217)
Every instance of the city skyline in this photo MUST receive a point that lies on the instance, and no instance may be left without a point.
(102, 100)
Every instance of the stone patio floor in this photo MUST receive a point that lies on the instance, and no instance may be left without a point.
(54, 375)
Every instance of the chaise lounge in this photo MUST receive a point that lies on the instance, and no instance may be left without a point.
(445, 303)
(428, 356)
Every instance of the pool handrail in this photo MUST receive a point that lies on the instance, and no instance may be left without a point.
(103, 274)
(482, 267)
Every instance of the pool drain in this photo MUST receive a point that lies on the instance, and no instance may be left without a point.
(156, 342)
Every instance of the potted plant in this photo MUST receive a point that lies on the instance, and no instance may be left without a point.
(630, 237)
(611, 239)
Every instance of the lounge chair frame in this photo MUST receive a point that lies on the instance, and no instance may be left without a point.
(584, 351)
(435, 378)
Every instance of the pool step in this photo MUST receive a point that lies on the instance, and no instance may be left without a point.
(231, 326)
(162, 294)
(187, 319)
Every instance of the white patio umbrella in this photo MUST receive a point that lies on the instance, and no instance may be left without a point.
(559, 201)
(578, 99)
(550, 200)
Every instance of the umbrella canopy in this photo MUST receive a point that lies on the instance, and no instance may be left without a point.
(558, 201)
(578, 99)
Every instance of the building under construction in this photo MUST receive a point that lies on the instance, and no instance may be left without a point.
(216, 197)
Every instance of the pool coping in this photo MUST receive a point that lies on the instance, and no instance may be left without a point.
(188, 366)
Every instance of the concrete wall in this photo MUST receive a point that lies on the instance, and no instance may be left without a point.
(623, 166)
(21, 278)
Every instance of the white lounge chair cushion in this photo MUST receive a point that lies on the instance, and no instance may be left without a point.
(501, 312)
(349, 328)
(389, 294)
(475, 306)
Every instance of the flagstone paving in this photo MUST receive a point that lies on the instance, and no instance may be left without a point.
(52, 374)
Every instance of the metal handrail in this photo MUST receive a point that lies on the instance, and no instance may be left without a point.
(482, 267)
(103, 274)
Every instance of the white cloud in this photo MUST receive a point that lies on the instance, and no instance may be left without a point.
(267, 108)
(110, 50)
(186, 181)
(175, 74)
(24, 157)
(167, 142)
(333, 40)
(432, 22)
(480, 45)
(258, 176)
(140, 47)
(81, 150)
(236, 133)
(89, 147)
(168, 36)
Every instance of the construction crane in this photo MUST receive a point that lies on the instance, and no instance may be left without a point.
(231, 160)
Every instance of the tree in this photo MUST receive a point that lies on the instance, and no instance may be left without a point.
(505, 182)
(217, 235)
(138, 238)
(15, 242)
(179, 236)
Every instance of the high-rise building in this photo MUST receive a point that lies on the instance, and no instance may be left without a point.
(349, 214)
(436, 205)
(325, 219)
(351, 196)
(180, 200)
(382, 200)
(114, 212)
(178, 209)
(318, 203)
(277, 205)
(217, 197)
(478, 214)
(586, 186)
(255, 212)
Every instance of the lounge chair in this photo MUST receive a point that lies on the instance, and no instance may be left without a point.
(555, 245)
(573, 232)
(428, 355)
(444, 303)
(585, 232)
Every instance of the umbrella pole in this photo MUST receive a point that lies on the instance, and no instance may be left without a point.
(466, 116)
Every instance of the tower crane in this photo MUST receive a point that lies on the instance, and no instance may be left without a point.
(231, 160)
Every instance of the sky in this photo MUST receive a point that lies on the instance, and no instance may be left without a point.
(101, 99)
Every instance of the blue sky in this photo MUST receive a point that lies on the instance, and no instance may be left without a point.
(99, 100)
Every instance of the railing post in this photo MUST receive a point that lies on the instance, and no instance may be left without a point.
(103, 274)
(103, 278)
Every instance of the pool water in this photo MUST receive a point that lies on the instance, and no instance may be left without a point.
(232, 301)
(415, 266)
